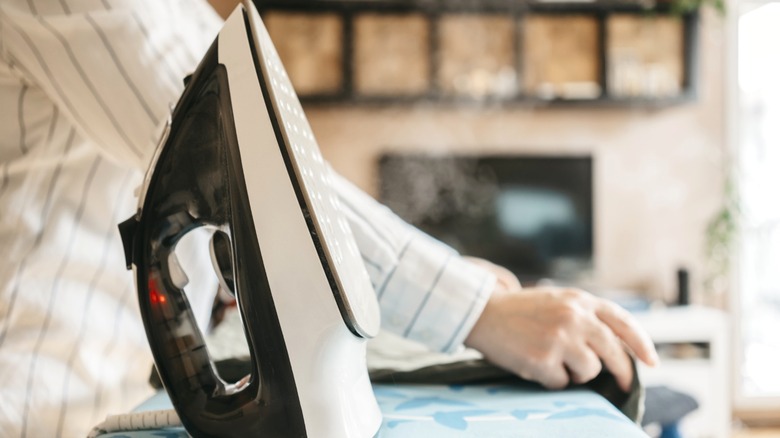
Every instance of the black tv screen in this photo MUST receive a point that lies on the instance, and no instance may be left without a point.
(531, 214)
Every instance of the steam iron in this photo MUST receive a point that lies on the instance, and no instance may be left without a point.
(239, 159)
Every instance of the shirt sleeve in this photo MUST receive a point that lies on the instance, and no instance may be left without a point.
(426, 291)
(114, 67)
(111, 67)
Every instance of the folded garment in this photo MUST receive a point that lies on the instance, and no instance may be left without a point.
(466, 372)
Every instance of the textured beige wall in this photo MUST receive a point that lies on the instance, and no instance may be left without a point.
(658, 173)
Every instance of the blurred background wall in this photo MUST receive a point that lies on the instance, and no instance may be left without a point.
(658, 172)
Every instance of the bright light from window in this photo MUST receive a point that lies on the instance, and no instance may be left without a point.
(759, 173)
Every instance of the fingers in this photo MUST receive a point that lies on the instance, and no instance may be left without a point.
(627, 328)
(597, 332)
(551, 376)
(583, 364)
(610, 349)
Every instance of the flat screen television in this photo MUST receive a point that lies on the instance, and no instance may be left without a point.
(531, 214)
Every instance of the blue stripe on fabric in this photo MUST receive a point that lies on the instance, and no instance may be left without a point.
(107, 239)
(372, 263)
(382, 288)
(468, 313)
(127, 295)
(175, 80)
(32, 7)
(53, 293)
(65, 7)
(428, 295)
(5, 179)
(38, 237)
(379, 234)
(22, 127)
(55, 113)
(50, 75)
(88, 83)
(121, 68)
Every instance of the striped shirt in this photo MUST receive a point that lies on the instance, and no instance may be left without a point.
(84, 88)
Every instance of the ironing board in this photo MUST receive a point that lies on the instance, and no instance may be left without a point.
(454, 411)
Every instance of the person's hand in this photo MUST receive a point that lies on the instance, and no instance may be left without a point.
(505, 279)
(557, 335)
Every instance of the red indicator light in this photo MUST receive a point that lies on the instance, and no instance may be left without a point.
(154, 293)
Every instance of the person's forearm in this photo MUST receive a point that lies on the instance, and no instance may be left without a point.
(426, 290)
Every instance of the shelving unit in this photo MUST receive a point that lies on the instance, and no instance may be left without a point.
(509, 53)
(693, 344)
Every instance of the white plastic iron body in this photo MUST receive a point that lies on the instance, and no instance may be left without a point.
(326, 352)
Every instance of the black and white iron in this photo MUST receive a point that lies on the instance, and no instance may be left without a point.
(239, 159)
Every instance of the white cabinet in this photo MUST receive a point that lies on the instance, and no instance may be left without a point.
(694, 347)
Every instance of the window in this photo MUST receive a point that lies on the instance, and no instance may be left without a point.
(758, 173)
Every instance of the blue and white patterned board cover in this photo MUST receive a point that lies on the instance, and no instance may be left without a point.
(498, 411)
(433, 411)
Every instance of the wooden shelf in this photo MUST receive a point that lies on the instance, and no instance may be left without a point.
(514, 53)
